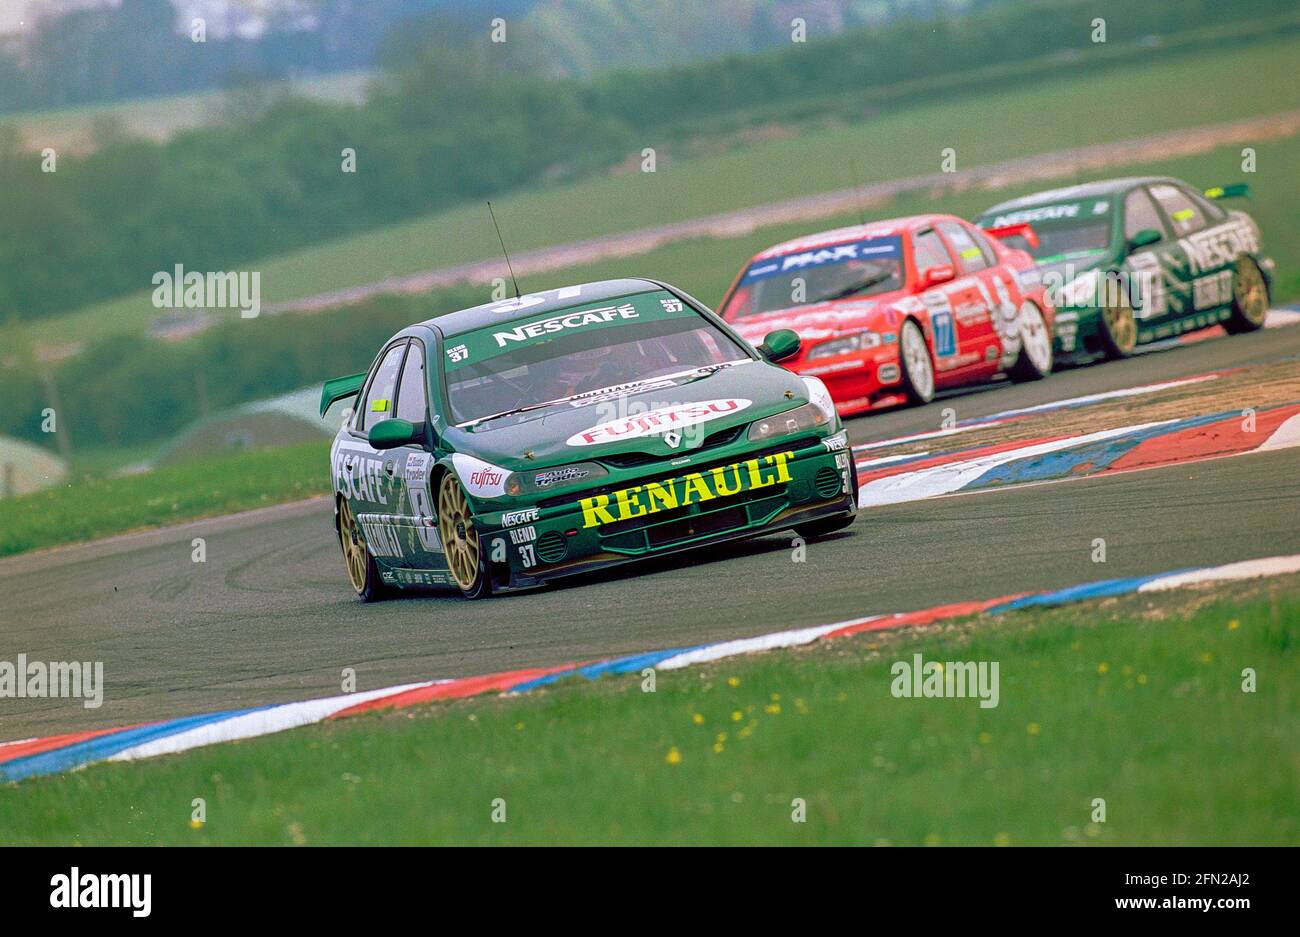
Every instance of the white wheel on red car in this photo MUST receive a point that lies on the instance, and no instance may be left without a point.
(1035, 359)
(918, 367)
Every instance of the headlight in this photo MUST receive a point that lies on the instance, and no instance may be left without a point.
(820, 397)
(858, 341)
(800, 419)
(544, 481)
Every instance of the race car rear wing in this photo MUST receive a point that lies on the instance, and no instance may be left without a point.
(1025, 231)
(340, 388)
(1240, 190)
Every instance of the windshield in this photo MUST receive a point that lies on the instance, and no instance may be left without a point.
(570, 354)
(1068, 231)
(816, 275)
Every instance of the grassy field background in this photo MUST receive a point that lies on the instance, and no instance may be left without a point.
(1135, 700)
(91, 507)
(706, 267)
(1046, 114)
(74, 128)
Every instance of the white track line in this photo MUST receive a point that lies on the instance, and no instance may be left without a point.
(1247, 569)
(260, 722)
(953, 476)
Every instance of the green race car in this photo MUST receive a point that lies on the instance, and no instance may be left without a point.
(502, 446)
(1131, 261)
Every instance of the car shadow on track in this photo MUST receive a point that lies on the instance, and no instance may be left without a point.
(721, 553)
(687, 559)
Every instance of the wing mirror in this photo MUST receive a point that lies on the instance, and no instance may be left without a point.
(939, 273)
(389, 434)
(1143, 238)
(780, 345)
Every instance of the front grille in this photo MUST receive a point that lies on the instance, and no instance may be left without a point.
(827, 481)
(802, 442)
(701, 525)
(722, 437)
(552, 547)
(734, 513)
(716, 504)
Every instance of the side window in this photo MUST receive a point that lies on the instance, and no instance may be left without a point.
(929, 251)
(969, 256)
(411, 393)
(1181, 211)
(378, 403)
(1212, 212)
(990, 255)
(1140, 214)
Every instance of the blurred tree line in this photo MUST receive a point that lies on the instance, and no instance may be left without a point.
(134, 48)
(124, 390)
(143, 48)
(455, 118)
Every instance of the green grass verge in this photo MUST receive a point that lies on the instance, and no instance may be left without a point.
(1137, 701)
(94, 507)
(1049, 113)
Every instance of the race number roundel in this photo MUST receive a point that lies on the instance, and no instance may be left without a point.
(659, 421)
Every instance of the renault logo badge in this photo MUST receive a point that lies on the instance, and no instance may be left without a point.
(673, 438)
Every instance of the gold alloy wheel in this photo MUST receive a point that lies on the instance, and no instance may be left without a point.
(1121, 326)
(459, 538)
(354, 548)
(1250, 293)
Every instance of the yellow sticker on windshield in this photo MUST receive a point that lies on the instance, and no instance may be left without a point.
(970, 252)
(379, 406)
(1183, 214)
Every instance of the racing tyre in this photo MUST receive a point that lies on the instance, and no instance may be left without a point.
(918, 366)
(363, 571)
(460, 540)
(1118, 329)
(1035, 359)
(1249, 298)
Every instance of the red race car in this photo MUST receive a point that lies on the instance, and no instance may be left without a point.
(892, 311)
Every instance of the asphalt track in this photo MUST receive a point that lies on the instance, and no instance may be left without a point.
(269, 617)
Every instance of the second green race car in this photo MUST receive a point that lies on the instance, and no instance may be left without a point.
(502, 446)
(1138, 260)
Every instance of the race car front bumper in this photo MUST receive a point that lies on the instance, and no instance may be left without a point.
(859, 381)
(697, 505)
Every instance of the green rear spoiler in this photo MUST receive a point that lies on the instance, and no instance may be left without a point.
(1240, 190)
(339, 388)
